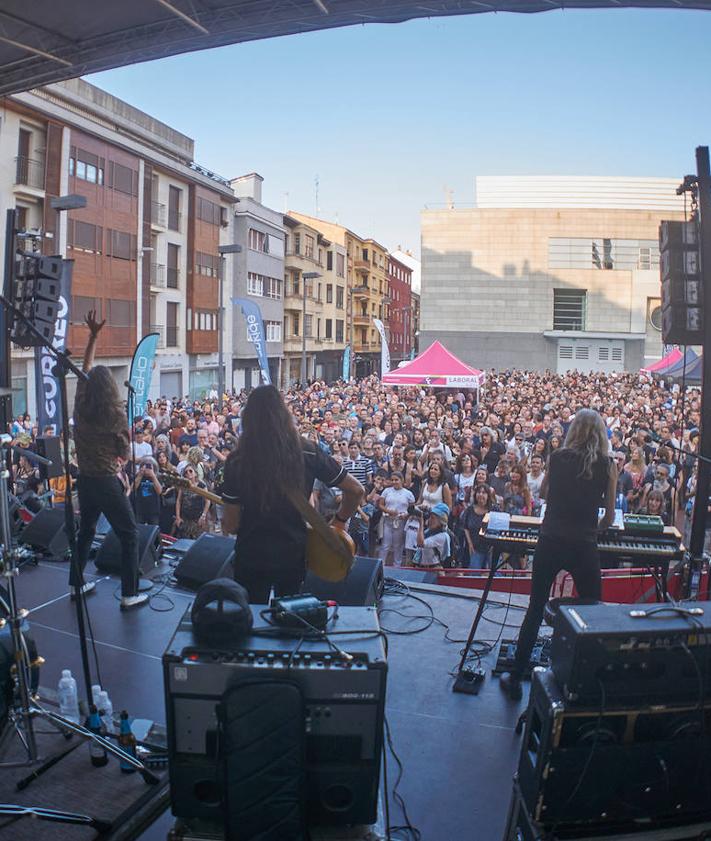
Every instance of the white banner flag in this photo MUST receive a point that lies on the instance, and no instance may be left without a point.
(384, 350)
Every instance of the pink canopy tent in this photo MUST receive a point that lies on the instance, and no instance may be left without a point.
(436, 367)
(665, 362)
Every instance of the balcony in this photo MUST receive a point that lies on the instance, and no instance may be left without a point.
(361, 266)
(158, 275)
(362, 320)
(29, 172)
(361, 291)
(158, 328)
(158, 215)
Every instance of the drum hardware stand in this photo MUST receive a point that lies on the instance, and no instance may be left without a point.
(31, 708)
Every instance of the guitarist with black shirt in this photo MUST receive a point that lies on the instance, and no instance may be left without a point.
(270, 461)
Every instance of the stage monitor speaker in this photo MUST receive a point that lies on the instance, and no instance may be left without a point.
(46, 532)
(50, 447)
(362, 587)
(208, 558)
(108, 558)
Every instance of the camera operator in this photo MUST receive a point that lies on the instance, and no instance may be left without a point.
(434, 544)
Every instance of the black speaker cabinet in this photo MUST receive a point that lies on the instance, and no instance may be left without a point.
(613, 766)
(209, 557)
(108, 558)
(45, 532)
(362, 587)
(50, 447)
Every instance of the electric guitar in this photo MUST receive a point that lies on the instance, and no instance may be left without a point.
(329, 551)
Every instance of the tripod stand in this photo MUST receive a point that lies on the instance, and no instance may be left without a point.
(30, 708)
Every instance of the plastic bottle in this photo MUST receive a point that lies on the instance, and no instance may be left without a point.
(106, 712)
(127, 742)
(97, 751)
(95, 692)
(68, 698)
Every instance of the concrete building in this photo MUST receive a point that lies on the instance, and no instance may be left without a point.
(145, 248)
(257, 274)
(548, 273)
(401, 323)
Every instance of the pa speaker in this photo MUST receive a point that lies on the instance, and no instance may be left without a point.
(46, 532)
(209, 557)
(49, 446)
(108, 558)
(363, 586)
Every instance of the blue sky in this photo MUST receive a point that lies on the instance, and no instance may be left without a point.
(388, 117)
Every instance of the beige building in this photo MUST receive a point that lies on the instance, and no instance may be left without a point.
(366, 267)
(558, 273)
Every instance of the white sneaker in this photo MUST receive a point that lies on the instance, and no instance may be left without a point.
(88, 587)
(131, 602)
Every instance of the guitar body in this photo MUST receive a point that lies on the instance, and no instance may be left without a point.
(321, 558)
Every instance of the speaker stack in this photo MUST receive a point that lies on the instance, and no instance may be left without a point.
(46, 533)
(617, 741)
(108, 558)
(208, 558)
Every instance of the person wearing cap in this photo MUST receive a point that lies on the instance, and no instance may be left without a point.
(434, 543)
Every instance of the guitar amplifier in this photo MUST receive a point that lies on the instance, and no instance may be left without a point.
(613, 767)
(345, 710)
(627, 654)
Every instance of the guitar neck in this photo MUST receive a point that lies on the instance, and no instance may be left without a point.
(203, 492)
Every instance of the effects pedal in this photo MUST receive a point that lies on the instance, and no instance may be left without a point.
(469, 681)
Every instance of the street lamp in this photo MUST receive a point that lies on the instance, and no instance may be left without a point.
(222, 250)
(304, 277)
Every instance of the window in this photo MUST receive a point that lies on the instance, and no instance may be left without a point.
(272, 288)
(86, 166)
(308, 246)
(171, 324)
(329, 328)
(120, 313)
(339, 297)
(602, 253)
(329, 261)
(207, 265)
(295, 283)
(340, 265)
(255, 285)
(329, 292)
(339, 330)
(121, 245)
(273, 330)
(173, 265)
(209, 212)
(81, 306)
(123, 179)
(320, 256)
(308, 325)
(365, 253)
(297, 243)
(569, 309)
(83, 236)
(258, 241)
(204, 320)
(318, 328)
(174, 204)
(295, 320)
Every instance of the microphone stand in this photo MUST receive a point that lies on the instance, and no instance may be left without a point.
(62, 367)
(144, 584)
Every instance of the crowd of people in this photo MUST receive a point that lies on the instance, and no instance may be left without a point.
(432, 462)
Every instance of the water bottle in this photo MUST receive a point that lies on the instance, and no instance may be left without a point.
(68, 698)
(95, 692)
(106, 712)
(127, 742)
(97, 751)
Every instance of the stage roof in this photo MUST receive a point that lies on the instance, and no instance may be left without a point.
(49, 40)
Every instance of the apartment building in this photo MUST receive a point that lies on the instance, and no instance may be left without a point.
(555, 273)
(145, 247)
(401, 321)
(257, 274)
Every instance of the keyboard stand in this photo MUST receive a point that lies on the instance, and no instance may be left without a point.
(463, 682)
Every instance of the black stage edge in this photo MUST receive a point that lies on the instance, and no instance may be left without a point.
(459, 752)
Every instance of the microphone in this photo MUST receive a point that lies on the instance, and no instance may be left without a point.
(650, 435)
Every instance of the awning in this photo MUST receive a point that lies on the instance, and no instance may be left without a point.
(436, 367)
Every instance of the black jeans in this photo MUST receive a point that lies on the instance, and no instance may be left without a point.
(552, 555)
(258, 579)
(105, 494)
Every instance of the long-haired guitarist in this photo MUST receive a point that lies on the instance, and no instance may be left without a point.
(581, 478)
(269, 461)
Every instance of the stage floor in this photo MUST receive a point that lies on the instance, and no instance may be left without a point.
(458, 751)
